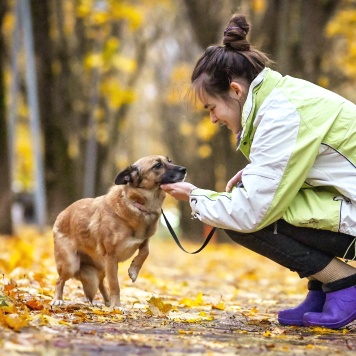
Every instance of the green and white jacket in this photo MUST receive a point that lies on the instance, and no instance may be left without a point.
(300, 140)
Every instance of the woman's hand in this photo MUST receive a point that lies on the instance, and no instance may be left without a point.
(180, 190)
(233, 181)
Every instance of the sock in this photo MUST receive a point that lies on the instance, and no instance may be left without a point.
(334, 271)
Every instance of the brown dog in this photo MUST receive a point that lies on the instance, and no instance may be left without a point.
(92, 236)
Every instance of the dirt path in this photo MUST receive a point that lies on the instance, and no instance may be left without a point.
(222, 301)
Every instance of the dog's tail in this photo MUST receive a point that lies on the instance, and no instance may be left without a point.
(89, 276)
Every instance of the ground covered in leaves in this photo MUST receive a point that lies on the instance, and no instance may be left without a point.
(221, 301)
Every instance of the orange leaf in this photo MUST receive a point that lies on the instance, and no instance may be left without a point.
(34, 304)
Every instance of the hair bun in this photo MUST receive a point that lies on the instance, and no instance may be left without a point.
(235, 33)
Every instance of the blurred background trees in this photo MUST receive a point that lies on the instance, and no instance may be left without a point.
(113, 85)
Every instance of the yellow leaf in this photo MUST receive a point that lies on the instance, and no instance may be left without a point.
(180, 331)
(198, 301)
(16, 321)
(267, 333)
(253, 311)
(219, 306)
(157, 307)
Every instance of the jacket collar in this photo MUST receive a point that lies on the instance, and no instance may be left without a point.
(246, 111)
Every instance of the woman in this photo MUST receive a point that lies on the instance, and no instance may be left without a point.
(297, 201)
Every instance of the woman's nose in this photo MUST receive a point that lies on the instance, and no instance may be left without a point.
(213, 118)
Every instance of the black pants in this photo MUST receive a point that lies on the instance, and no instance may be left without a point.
(302, 250)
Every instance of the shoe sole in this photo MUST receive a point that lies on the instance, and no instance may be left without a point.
(288, 322)
(337, 325)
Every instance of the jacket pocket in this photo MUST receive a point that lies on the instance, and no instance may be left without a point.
(316, 208)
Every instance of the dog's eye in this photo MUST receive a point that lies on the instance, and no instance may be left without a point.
(158, 165)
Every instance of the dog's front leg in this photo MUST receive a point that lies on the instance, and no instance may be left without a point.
(111, 266)
(138, 261)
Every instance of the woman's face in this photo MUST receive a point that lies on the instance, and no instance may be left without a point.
(226, 112)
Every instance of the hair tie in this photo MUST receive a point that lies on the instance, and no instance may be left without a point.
(227, 29)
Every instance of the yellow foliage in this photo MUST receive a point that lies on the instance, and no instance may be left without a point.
(204, 151)
(343, 26)
(24, 159)
(205, 129)
(84, 8)
(115, 94)
(102, 134)
(20, 255)
(93, 60)
(122, 10)
(186, 128)
(324, 81)
(8, 22)
(73, 147)
(258, 5)
(125, 64)
(100, 17)
(110, 49)
(179, 84)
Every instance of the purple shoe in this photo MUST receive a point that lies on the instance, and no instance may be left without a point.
(339, 310)
(314, 302)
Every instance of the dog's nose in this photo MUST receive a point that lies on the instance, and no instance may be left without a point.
(183, 170)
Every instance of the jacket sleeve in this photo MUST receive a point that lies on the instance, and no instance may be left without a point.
(282, 154)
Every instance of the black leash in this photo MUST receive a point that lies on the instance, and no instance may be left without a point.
(208, 238)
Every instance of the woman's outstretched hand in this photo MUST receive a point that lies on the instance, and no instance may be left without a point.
(233, 181)
(180, 190)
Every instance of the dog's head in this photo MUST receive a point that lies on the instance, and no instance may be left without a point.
(151, 171)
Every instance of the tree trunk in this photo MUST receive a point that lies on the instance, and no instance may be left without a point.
(59, 170)
(5, 176)
(295, 39)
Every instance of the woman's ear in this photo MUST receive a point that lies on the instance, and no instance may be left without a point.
(237, 88)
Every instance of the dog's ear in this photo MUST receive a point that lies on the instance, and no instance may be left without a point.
(128, 175)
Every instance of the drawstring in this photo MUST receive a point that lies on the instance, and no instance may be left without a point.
(353, 258)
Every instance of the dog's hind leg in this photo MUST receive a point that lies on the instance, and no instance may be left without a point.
(89, 277)
(67, 262)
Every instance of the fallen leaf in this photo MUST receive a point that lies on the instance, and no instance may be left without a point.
(157, 307)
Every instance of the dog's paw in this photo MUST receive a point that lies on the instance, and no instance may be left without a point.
(96, 304)
(118, 308)
(57, 302)
(133, 273)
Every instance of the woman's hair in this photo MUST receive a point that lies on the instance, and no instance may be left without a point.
(234, 59)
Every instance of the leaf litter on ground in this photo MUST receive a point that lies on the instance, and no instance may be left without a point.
(222, 301)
